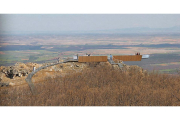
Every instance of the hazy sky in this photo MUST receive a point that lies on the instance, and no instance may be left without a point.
(81, 22)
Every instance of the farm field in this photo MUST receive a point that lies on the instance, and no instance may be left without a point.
(43, 48)
(165, 63)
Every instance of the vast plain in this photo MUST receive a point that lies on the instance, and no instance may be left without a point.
(164, 49)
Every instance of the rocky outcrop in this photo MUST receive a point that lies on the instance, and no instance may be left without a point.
(14, 71)
(130, 70)
(18, 70)
(21, 69)
(1, 76)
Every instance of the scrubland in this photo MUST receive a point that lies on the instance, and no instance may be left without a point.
(98, 86)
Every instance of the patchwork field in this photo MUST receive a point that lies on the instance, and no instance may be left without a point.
(47, 48)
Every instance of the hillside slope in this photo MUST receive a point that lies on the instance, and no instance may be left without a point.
(98, 85)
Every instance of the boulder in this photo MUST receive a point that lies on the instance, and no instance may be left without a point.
(1, 76)
(11, 84)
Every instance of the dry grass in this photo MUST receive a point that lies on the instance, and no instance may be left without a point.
(99, 86)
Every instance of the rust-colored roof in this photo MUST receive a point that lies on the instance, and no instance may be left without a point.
(92, 58)
(128, 57)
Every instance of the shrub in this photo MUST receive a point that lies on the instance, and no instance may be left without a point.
(98, 86)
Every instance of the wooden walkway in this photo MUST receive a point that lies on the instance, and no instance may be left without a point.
(71, 60)
(29, 77)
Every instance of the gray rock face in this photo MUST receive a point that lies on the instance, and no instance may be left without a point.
(14, 71)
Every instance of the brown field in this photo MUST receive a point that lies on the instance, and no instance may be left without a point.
(175, 63)
(163, 65)
(2, 52)
(171, 65)
(130, 51)
(97, 39)
(24, 59)
(103, 39)
(98, 86)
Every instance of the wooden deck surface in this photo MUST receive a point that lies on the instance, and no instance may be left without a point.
(92, 59)
(128, 57)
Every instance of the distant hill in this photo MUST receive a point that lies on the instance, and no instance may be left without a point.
(132, 30)
(175, 29)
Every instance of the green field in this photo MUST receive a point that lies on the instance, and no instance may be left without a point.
(11, 57)
(169, 71)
